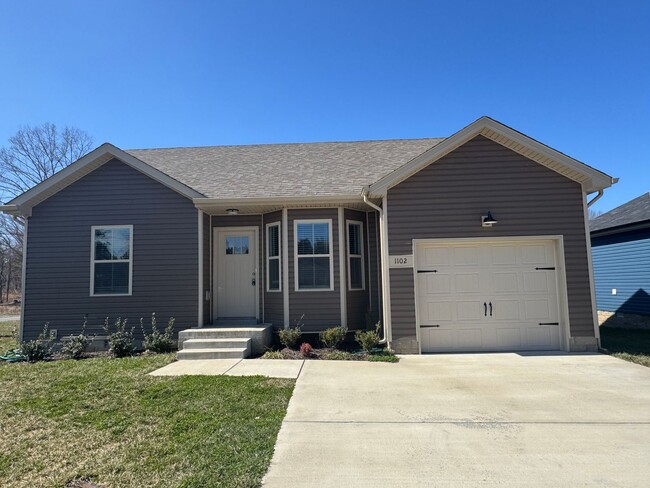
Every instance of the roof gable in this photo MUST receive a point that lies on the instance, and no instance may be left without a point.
(590, 178)
(22, 204)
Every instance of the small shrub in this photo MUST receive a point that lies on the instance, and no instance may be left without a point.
(157, 341)
(383, 357)
(339, 356)
(306, 350)
(333, 336)
(273, 355)
(368, 339)
(289, 337)
(120, 342)
(40, 348)
(75, 347)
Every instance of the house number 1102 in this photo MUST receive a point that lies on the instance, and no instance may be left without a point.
(404, 261)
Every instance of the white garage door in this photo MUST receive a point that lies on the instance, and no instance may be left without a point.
(497, 296)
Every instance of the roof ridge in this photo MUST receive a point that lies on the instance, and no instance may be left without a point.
(284, 144)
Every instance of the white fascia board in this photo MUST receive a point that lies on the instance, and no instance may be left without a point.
(593, 179)
(85, 165)
(284, 200)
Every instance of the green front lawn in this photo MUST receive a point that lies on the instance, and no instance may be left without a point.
(628, 344)
(7, 340)
(107, 421)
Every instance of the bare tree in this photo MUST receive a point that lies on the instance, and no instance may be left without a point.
(32, 155)
(594, 213)
(36, 153)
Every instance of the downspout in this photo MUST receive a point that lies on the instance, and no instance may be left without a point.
(384, 271)
(595, 199)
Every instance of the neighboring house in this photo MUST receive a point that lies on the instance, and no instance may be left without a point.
(620, 243)
(475, 242)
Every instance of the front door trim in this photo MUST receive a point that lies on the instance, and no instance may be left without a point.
(561, 283)
(215, 278)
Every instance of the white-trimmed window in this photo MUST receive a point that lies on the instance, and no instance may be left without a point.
(273, 263)
(356, 271)
(313, 255)
(111, 260)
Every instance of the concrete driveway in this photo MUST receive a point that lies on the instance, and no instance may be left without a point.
(467, 420)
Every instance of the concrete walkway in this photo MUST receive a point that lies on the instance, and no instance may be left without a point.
(504, 420)
(9, 318)
(274, 368)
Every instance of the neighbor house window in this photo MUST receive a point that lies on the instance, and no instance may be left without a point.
(313, 256)
(273, 273)
(356, 278)
(111, 260)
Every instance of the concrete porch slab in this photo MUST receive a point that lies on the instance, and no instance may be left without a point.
(274, 368)
(207, 367)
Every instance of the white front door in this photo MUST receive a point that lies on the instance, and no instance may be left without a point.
(497, 296)
(235, 259)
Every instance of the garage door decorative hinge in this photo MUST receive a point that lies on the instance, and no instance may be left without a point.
(549, 323)
(539, 269)
(427, 270)
(432, 325)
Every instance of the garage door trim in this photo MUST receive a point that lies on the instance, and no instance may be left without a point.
(558, 240)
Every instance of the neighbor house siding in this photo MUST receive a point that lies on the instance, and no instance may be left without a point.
(243, 221)
(622, 262)
(164, 254)
(447, 198)
(273, 301)
(315, 309)
(374, 268)
(357, 300)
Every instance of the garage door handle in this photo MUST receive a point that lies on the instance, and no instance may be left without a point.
(490, 309)
(484, 309)
(549, 323)
(433, 325)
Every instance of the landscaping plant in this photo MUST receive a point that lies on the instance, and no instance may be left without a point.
(157, 341)
(289, 337)
(120, 342)
(333, 337)
(306, 350)
(40, 348)
(368, 339)
(75, 347)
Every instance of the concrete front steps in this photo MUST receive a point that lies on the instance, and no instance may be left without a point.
(223, 342)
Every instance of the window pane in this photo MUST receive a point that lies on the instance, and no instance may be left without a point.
(274, 241)
(321, 239)
(120, 244)
(354, 239)
(230, 245)
(111, 278)
(305, 239)
(313, 273)
(274, 274)
(243, 245)
(313, 239)
(103, 238)
(356, 280)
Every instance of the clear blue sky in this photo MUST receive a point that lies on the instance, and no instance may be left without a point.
(572, 74)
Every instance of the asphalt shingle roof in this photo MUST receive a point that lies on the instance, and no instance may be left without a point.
(634, 211)
(280, 170)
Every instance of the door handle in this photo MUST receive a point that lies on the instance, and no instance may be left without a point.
(484, 309)
(490, 309)
(253, 279)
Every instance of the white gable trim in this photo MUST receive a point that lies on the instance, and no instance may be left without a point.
(591, 179)
(23, 204)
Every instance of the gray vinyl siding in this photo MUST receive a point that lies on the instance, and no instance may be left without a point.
(447, 198)
(374, 268)
(207, 285)
(321, 309)
(357, 300)
(273, 301)
(165, 253)
(245, 221)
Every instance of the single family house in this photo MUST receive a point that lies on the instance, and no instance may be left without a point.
(474, 242)
(620, 240)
